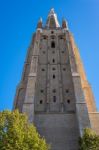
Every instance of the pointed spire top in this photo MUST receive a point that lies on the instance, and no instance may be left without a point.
(52, 21)
(52, 11)
(40, 20)
(64, 23)
(39, 25)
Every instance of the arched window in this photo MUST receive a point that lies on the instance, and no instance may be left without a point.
(53, 69)
(52, 44)
(53, 76)
(68, 101)
(41, 101)
(53, 60)
(54, 99)
(52, 32)
(67, 91)
(43, 69)
(42, 90)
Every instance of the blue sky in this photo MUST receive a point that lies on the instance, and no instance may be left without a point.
(18, 20)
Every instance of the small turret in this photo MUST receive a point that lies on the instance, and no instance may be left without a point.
(39, 25)
(64, 24)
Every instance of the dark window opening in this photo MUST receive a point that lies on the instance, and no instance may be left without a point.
(68, 101)
(53, 69)
(45, 38)
(53, 60)
(43, 69)
(52, 32)
(53, 44)
(53, 52)
(61, 38)
(64, 69)
(67, 91)
(43, 52)
(62, 51)
(42, 91)
(54, 90)
(41, 101)
(54, 99)
(53, 76)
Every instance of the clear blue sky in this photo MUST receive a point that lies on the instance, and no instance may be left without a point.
(18, 20)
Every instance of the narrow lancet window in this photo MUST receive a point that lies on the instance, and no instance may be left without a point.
(52, 44)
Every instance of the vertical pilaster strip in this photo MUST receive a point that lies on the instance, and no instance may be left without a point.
(48, 88)
(28, 106)
(81, 107)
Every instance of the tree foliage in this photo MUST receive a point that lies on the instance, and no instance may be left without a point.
(17, 134)
(89, 140)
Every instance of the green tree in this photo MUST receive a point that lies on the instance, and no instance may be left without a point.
(17, 134)
(89, 140)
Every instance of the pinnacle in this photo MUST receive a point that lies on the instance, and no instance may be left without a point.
(52, 11)
(40, 20)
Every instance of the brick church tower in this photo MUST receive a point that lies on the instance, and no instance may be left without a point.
(54, 91)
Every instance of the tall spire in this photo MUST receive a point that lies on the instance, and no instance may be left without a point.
(52, 21)
(39, 25)
(64, 24)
